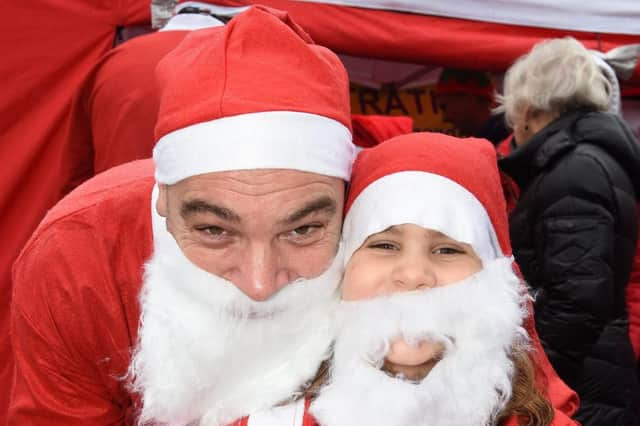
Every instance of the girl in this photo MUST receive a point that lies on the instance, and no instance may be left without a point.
(431, 328)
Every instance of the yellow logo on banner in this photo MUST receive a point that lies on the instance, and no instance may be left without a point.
(416, 102)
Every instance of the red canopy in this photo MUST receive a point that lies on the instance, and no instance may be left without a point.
(428, 39)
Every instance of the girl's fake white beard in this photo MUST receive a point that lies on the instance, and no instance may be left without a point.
(479, 321)
(208, 355)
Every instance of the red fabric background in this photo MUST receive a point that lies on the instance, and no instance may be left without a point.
(48, 46)
(113, 116)
(427, 39)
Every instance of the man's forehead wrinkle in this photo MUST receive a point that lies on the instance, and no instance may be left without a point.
(265, 178)
(266, 175)
(269, 185)
(320, 204)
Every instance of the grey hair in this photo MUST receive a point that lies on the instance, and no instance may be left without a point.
(557, 75)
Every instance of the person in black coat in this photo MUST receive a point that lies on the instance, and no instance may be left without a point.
(575, 227)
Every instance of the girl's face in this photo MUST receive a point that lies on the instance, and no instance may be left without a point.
(405, 258)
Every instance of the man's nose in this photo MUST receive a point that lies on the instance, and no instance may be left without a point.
(413, 271)
(261, 275)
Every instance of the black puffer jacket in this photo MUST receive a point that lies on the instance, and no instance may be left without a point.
(574, 232)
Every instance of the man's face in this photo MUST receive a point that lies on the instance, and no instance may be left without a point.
(259, 229)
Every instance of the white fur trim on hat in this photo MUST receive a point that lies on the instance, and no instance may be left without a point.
(423, 199)
(262, 140)
(211, 8)
(191, 22)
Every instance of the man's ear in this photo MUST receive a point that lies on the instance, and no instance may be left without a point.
(161, 203)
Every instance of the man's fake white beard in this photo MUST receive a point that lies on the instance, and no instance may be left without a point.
(208, 355)
(479, 321)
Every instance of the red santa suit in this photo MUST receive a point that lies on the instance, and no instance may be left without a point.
(114, 112)
(81, 334)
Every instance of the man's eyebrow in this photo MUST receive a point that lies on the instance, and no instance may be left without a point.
(200, 206)
(326, 204)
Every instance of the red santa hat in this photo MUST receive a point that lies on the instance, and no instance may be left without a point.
(371, 130)
(437, 181)
(254, 94)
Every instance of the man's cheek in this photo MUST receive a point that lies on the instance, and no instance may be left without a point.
(313, 260)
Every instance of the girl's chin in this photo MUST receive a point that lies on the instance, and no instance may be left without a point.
(404, 354)
(415, 373)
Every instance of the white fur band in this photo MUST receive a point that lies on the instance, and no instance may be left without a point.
(191, 22)
(263, 140)
(424, 199)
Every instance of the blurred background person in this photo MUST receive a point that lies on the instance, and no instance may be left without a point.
(574, 228)
(115, 108)
(466, 99)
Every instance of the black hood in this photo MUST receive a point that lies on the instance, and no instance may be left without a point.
(604, 130)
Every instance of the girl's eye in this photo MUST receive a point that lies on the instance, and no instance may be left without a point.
(383, 245)
(447, 250)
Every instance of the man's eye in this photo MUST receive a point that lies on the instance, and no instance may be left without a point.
(304, 230)
(214, 231)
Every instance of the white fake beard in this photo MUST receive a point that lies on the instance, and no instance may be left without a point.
(207, 354)
(479, 321)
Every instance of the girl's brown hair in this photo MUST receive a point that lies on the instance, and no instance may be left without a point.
(527, 403)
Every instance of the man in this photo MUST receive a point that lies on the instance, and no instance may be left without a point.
(466, 98)
(204, 297)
